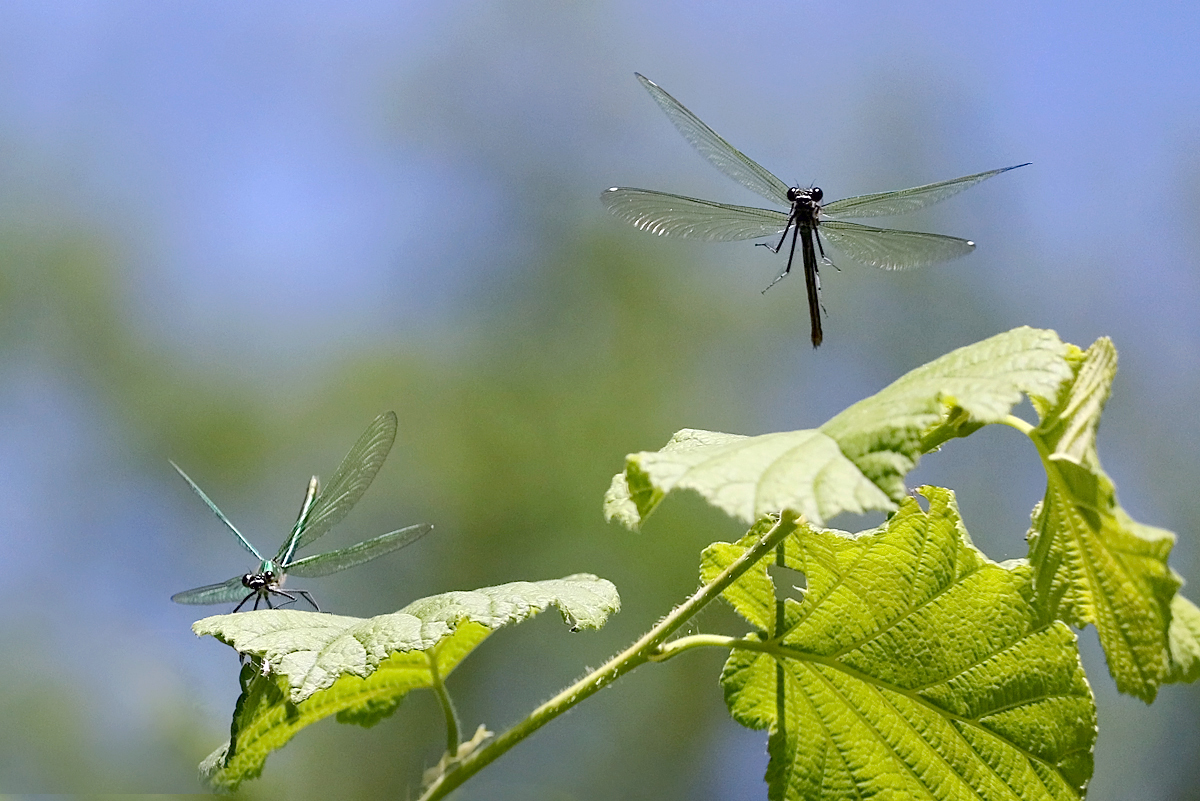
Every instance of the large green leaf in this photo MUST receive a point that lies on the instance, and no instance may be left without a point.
(1094, 563)
(857, 461)
(307, 666)
(912, 667)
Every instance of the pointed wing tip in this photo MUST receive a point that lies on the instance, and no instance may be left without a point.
(417, 531)
(390, 423)
(650, 85)
(611, 198)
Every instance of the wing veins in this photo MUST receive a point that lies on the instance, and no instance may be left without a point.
(719, 153)
(225, 592)
(904, 201)
(892, 248)
(334, 561)
(667, 214)
(351, 479)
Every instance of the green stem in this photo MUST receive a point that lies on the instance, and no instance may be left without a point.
(677, 647)
(947, 430)
(1022, 426)
(635, 655)
(958, 424)
(1044, 568)
(453, 738)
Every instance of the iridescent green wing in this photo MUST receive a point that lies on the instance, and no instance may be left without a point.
(223, 593)
(349, 482)
(220, 515)
(325, 563)
(310, 497)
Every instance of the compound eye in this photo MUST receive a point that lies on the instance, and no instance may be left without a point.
(816, 194)
(269, 577)
(793, 194)
(247, 579)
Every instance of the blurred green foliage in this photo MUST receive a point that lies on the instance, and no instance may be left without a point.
(506, 444)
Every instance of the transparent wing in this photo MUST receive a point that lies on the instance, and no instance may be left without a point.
(245, 542)
(349, 482)
(885, 204)
(675, 215)
(223, 593)
(325, 563)
(890, 248)
(722, 155)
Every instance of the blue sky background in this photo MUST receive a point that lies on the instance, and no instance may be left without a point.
(277, 187)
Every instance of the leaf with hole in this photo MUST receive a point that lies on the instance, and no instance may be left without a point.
(912, 667)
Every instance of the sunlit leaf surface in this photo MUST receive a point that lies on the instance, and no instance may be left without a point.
(857, 461)
(307, 666)
(1095, 564)
(1184, 637)
(911, 667)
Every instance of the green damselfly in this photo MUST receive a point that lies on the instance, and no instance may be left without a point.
(322, 509)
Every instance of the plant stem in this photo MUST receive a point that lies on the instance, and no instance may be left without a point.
(677, 647)
(1019, 424)
(439, 689)
(635, 655)
(1044, 569)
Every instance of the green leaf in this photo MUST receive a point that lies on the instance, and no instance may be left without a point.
(306, 666)
(912, 668)
(619, 506)
(857, 461)
(754, 593)
(886, 434)
(1094, 563)
(1185, 640)
(747, 477)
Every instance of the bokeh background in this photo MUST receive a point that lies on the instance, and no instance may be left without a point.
(232, 233)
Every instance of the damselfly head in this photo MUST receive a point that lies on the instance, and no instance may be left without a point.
(258, 581)
(811, 195)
